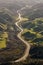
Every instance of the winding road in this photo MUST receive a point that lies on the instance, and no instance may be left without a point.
(26, 52)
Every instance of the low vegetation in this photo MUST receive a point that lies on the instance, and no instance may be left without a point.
(33, 32)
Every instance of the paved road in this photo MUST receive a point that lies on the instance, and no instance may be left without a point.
(26, 52)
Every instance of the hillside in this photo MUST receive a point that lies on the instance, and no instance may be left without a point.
(33, 31)
(35, 11)
(15, 5)
(11, 48)
(33, 34)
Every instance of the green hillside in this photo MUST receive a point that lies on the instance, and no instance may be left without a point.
(33, 32)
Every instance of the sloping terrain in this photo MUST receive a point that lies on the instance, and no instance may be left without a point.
(33, 12)
(13, 48)
(33, 33)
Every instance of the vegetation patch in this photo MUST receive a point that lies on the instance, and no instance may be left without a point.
(33, 31)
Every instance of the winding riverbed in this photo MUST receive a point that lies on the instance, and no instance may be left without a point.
(26, 52)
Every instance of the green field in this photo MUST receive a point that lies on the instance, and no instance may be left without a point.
(2, 43)
(3, 39)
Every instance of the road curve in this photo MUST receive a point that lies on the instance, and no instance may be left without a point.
(26, 52)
